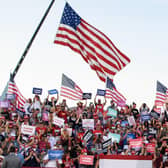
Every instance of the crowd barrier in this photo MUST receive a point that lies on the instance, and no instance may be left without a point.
(122, 161)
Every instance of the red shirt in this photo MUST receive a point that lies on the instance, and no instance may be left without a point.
(41, 129)
(63, 114)
(99, 108)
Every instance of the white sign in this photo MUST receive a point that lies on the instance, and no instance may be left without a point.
(27, 129)
(58, 121)
(88, 123)
(131, 120)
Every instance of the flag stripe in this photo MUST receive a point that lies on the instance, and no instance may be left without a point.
(92, 50)
(102, 45)
(124, 60)
(71, 93)
(20, 99)
(113, 93)
(161, 93)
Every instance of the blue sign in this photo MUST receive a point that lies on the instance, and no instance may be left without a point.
(53, 91)
(87, 95)
(55, 154)
(10, 96)
(101, 92)
(124, 123)
(37, 91)
(145, 117)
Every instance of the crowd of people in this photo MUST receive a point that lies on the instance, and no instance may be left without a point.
(74, 138)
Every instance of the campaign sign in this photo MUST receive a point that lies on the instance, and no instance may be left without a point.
(88, 123)
(130, 136)
(124, 123)
(111, 112)
(87, 96)
(155, 114)
(152, 131)
(114, 137)
(27, 129)
(37, 91)
(53, 91)
(86, 159)
(150, 147)
(145, 117)
(4, 104)
(136, 143)
(55, 154)
(131, 120)
(101, 92)
(10, 96)
(106, 143)
(58, 121)
(87, 136)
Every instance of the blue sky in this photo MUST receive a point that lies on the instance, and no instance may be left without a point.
(137, 28)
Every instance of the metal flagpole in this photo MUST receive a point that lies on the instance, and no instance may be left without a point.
(12, 76)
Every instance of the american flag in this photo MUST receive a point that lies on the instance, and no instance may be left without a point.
(161, 94)
(20, 99)
(94, 46)
(113, 93)
(69, 89)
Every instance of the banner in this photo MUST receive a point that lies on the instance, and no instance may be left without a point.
(155, 114)
(87, 96)
(136, 143)
(152, 131)
(150, 147)
(86, 159)
(55, 154)
(114, 137)
(111, 112)
(58, 121)
(101, 92)
(10, 96)
(88, 123)
(87, 136)
(106, 143)
(27, 129)
(124, 123)
(145, 117)
(131, 120)
(4, 104)
(37, 91)
(53, 91)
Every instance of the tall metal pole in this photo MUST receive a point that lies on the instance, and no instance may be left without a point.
(30, 42)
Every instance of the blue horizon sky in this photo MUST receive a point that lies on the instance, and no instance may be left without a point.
(138, 28)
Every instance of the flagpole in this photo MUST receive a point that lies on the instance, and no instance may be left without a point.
(30, 42)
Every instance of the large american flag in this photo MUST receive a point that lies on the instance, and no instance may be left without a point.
(113, 93)
(95, 47)
(161, 94)
(70, 89)
(20, 99)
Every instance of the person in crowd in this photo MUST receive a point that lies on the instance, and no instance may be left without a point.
(75, 139)
(12, 160)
